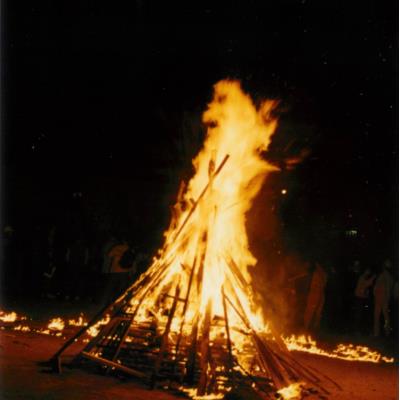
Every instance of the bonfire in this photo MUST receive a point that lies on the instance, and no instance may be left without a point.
(192, 321)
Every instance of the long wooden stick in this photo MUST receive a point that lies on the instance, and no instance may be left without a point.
(192, 352)
(164, 339)
(204, 351)
(115, 365)
(185, 306)
(228, 335)
(196, 203)
(269, 396)
(270, 363)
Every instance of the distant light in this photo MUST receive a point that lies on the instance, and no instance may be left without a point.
(283, 191)
(351, 232)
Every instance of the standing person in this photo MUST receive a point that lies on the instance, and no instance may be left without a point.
(316, 298)
(383, 290)
(118, 274)
(361, 299)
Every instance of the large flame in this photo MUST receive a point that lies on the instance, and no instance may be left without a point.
(206, 247)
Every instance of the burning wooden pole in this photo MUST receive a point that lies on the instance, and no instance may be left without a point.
(228, 334)
(204, 350)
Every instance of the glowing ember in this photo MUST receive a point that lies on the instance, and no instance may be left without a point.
(56, 324)
(79, 322)
(349, 352)
(292, 391)
(192, 393)
(10, 317)
(95, 329)
(22, 328)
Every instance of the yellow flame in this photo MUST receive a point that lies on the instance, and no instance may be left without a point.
(78, 322)
(95, 329)
(56, 324)
(292, 391)
(206, 247)
(349, 352)
(22, 328)
(192, 393)
(8, 317)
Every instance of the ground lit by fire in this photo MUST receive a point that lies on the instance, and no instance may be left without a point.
(57, 326)
(198, 291)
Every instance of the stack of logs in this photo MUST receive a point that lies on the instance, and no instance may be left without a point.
(149, 350)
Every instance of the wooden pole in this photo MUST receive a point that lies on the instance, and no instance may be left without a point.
(228, 335)
(204, 351)
(236, 272)
(196, 203)
(164, 339)
(115, 365)
(185, 306)
(192, 352)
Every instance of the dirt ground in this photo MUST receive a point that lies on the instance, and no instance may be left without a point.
(22, 376)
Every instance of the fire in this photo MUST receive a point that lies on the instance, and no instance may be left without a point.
(292, 391)
(56, 324)
(22, 328)
(8, 317)
(78, 322)
(201, 275)
(349, 352)
(197, 293)
(206, 252)
(193, 395)
(95, 329)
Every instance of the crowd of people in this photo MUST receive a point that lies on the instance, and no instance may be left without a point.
(72, 270)
(373, 297)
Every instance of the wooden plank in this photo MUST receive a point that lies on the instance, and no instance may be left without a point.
(115, 365)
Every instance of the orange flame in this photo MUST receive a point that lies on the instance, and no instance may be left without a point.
(78, 322)
(56, 324)
(8, 317)
(291, 392)
(206, 247)
(349, 352)
(95, 329)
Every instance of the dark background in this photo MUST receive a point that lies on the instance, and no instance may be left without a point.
(101, 109)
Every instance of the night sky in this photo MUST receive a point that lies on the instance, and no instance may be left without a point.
(95, 99)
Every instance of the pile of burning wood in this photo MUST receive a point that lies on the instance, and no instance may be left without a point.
(191, 322)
